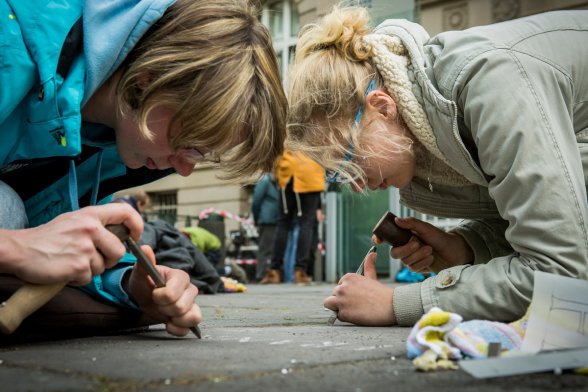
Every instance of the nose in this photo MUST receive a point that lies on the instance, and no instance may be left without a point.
(184, 167)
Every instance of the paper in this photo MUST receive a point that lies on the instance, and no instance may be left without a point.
(558, 320)
(542, 362)
(559, 314)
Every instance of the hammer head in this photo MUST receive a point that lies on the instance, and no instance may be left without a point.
(387, 230)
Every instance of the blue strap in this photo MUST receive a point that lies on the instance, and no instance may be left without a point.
(96, 185)
(73, 186)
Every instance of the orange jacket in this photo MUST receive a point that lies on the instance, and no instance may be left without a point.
(308, 175)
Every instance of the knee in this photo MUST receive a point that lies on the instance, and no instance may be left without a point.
(12, 211)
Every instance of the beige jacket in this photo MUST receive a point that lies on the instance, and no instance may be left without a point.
(508, 104)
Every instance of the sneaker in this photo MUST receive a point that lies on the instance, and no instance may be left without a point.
(272, 276)
(300, 277)
(407, 276)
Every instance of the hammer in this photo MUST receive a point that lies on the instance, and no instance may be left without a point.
(30, 297)
(387, 230)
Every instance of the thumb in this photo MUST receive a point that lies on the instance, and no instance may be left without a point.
(149, 253)
(369, 267)
(418, 226)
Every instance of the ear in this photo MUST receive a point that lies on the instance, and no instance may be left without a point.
(383, 104)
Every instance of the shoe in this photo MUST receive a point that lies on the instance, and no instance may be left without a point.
(300, 277)
(407, 276)
(272, 276)
(238, 273)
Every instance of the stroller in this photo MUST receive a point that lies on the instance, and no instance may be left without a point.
(243, 246)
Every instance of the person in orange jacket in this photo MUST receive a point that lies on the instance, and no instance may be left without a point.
(301, 181)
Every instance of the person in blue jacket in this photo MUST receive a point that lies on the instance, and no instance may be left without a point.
(99, 96)
(265, 207)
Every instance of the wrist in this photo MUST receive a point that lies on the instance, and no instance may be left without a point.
(466, 256)
(9, 252)
(393, 320)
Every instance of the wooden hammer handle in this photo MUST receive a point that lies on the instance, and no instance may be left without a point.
(30, 297)
(25, 301)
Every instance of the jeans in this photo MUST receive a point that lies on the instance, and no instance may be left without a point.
(12, 211)
(265, 245)
(309, 203)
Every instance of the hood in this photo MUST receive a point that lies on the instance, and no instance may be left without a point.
(413, 37)
(111, 30)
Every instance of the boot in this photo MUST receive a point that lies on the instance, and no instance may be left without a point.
(238, 273)
(272, 276)
(300, 276)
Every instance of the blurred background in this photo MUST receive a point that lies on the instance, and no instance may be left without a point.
(343, 236)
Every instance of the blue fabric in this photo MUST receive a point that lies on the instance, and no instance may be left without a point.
(111, 30)
(40, 109)
(290, 253)
(407, 276)
(109, 285)
(265, 205)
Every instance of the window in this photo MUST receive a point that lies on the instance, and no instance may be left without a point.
(281, 18)
(164, 206)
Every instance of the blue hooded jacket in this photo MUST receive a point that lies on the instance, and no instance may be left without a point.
(54, 56)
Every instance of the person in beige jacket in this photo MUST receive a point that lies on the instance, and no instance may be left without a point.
(301, 181)
(488, 124)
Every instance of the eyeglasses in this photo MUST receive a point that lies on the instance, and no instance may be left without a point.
(195, 155)
(334, 177)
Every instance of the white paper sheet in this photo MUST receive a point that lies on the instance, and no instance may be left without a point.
(559, 314)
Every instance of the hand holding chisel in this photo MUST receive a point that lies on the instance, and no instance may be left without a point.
(122, 232)
(30, 297)
(359, 271)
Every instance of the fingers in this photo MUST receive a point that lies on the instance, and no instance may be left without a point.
(410, 223)
(109, 246)
(415, 255)
(331, 303)
(150, 258)
(180, 326)
(369, 267)
(119, 213)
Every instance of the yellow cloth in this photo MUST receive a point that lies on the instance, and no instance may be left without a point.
(202, 238)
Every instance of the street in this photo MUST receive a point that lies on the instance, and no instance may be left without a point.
(271, 338)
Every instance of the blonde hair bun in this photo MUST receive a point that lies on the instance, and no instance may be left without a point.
(343, 29)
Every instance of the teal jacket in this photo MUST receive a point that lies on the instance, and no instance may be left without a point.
(54, 56)
(266, 201)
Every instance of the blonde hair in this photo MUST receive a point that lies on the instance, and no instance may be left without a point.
(331, 72)
(213, 62)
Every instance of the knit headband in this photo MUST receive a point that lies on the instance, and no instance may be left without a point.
(390, 57)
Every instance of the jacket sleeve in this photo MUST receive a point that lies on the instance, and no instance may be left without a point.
(259, 192)
(518, 110)
(108, 285)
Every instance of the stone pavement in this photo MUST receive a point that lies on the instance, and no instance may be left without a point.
(272, 338)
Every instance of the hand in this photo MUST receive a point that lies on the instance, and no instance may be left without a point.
(173, 304)
(69, 249)
(362, 300)
(430, 245)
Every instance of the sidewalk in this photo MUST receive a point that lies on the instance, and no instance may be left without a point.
(272, 338)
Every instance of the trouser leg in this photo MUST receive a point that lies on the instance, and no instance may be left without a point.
(308, 206)
(12, 211)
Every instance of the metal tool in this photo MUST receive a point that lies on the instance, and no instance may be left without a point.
(122, 232)
(359, 271)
